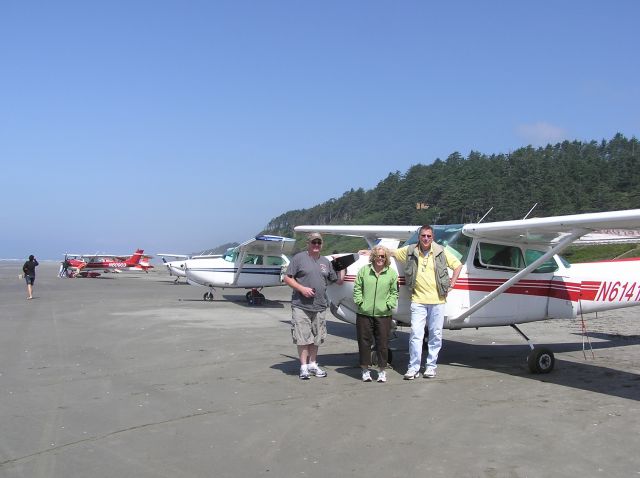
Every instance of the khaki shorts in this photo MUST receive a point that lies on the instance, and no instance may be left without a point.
(308, 327)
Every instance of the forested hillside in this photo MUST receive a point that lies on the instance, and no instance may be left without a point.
(566, 178)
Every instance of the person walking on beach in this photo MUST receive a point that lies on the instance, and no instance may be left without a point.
(29, 270)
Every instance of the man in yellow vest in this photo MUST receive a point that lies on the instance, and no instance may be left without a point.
(427, 276)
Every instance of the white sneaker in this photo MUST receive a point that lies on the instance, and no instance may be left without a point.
(304, 374)
(411, 374)
(382, 376)
(317, 371)
(429, 373)
(366, 376)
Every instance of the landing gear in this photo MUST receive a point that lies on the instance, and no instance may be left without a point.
(254, 297)
(540, 359)
(208, 295)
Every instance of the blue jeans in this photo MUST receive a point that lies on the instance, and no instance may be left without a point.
(421, 315)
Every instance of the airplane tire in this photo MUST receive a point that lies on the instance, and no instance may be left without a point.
(541, 360)
(208, 296)
(255, 298)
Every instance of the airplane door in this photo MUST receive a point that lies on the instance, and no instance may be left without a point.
(493, 264)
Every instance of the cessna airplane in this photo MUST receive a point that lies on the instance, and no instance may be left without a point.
(254, 264)
(511, 274)
(92, 265)
(178, 267)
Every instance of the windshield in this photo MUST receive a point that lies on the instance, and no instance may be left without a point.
(450, 237)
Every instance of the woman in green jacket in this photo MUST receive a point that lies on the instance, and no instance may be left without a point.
(375, 292)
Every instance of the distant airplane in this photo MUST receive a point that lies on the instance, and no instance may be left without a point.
(93, 265)
(511, 273)
(254, 264)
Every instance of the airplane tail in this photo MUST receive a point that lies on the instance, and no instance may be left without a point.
(135, 258)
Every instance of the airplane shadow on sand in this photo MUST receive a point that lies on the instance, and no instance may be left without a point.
(585, 375)
(242, 301)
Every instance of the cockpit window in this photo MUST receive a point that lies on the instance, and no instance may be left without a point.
(231, 255)
(253, 259)
(510, 258)
(498, 257)
(547, 266)
(274, 261)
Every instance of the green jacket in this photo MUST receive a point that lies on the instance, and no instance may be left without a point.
(376, 296)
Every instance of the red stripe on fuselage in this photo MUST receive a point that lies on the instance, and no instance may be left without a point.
(555, 289)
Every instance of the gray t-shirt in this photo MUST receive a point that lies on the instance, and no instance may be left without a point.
(314, 273)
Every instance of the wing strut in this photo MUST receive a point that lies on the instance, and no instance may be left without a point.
(566, 241)
(240, 262)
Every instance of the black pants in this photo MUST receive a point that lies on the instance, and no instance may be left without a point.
(369, 328)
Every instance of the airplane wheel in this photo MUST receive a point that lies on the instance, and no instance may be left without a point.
(255, 298)
(208, 296)
(541, 360)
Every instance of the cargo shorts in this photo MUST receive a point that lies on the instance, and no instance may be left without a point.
(308, 327)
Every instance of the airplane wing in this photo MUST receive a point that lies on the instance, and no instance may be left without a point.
(610, 236)
(387, 235)
(266, 244)
(552, 230)
(176, 256)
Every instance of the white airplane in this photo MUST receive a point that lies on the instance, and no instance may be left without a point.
(177, 268)
(254, 264)
(511, 274)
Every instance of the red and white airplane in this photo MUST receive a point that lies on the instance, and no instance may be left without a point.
(93, 265)
(512, 273)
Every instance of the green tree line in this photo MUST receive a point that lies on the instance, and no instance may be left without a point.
(571, 177)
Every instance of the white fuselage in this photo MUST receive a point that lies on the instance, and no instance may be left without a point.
(558, 291)
(258, 271)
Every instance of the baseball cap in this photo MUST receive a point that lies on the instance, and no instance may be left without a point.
(313, 235)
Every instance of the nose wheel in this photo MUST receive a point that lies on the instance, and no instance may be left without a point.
(208, 295)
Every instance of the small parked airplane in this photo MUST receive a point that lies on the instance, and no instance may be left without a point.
(511, 274)
(92, 265)
(254, 264)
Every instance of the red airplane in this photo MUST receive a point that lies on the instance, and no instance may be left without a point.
(92, 265)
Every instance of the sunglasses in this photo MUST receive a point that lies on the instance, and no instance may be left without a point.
(380, 256)
(316, 242)
(426, 235)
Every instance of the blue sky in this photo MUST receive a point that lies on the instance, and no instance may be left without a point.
(177, 126)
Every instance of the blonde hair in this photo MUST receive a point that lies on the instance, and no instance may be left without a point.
(376, 251)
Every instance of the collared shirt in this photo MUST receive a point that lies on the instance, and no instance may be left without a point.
(426, 290)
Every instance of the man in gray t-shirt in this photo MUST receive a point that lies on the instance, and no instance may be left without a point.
(308, 275)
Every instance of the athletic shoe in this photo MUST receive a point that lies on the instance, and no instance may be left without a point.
(304, 374)
(366, 376)
(317, 371)
(429, 373)
(382, 376)
(411, 374)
